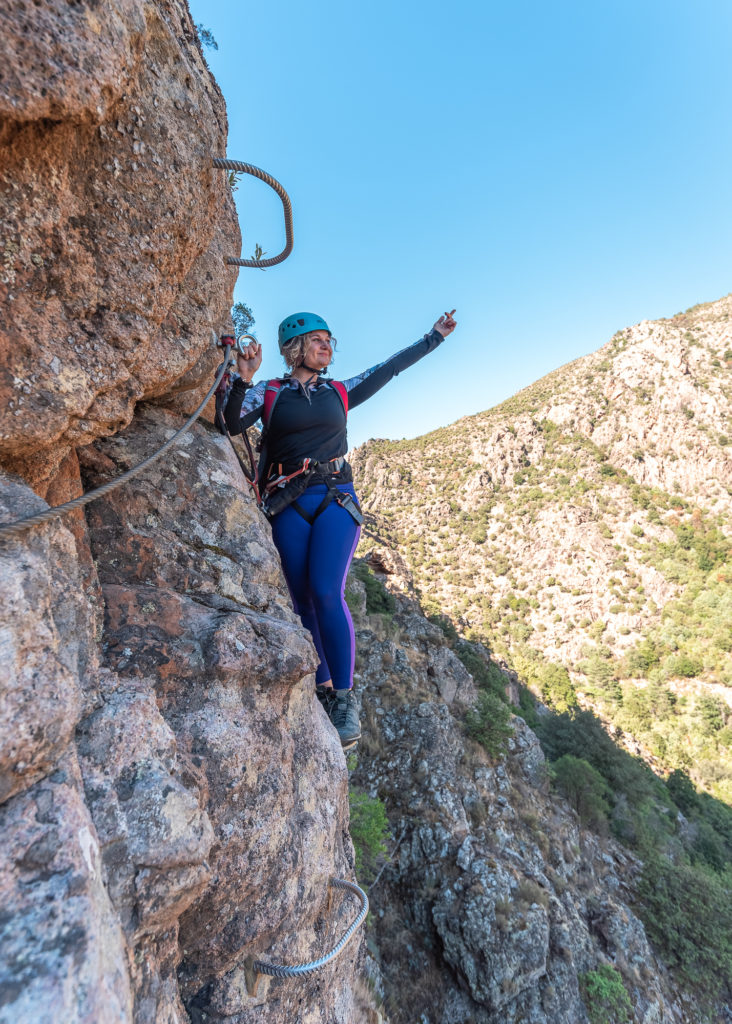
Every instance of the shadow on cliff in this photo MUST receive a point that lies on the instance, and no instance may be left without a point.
(514, 879)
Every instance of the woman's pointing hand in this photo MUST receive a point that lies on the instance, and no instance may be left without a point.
(445, 325)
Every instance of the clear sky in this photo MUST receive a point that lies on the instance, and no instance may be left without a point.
(554, 171)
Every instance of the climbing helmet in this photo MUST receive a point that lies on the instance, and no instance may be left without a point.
(300, 323)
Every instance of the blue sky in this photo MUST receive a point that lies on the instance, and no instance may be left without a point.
(553, 171)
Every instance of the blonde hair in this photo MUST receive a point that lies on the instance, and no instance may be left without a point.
(294, 351)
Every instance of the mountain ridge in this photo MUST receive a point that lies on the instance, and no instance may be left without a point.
(583, 518)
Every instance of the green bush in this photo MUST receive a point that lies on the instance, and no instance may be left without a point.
(378, 599)
(486, 675)
(556, 686)
(605, 996)
(488, 723)
(710, 712)
(597, 628)
(585, 789)
(687, 912)
(641, 659)
(501, 565)
(369, 831)
(682, 665)
(682, 792)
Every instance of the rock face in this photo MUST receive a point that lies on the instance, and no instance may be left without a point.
(253, 812)
(115, 225)
(495, 901)
(172, 799)
(177, 811)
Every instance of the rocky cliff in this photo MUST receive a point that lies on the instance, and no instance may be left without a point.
(173, 802)
(580, 531)
(174, 799)
(115, 225)
(495, 904)
(587, 520)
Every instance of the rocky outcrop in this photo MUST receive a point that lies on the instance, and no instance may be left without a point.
(116, 226)
(173, 801)
(494, 901)
(175, 807)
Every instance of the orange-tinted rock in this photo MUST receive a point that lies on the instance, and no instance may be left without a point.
(115, 224)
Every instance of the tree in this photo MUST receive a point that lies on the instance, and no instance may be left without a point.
(585, 789)
(710, 712)
(681, 790)
(243, 318)
(206, 37)
(489, 723)
(642, 658)
(637, 715)
(556, 686)
(601, 675)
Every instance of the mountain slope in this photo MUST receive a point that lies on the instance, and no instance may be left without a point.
(581, 530)
(504, 897)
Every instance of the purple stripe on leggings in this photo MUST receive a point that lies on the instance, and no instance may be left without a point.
(347, 611)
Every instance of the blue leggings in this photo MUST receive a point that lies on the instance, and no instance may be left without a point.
(315, 560)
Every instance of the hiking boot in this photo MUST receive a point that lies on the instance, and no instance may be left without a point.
(344, 716)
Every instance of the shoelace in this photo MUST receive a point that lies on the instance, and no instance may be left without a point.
(340, 711)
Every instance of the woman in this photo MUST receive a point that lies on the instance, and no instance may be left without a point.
(308, 485)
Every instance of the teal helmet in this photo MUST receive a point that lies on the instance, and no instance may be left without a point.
(300, 323)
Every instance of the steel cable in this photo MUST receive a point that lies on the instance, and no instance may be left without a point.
(14, 529)
(295, 970)
(21, 525)
(237, 165)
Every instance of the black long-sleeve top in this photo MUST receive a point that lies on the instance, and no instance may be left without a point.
(310, 422)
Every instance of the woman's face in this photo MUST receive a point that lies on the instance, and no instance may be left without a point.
(319, 351)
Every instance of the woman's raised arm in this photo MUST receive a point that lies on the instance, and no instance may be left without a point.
(366, 384)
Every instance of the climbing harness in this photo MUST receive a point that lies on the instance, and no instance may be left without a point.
(284, 487)
(237, 165)
(313, 472)
(253, 969)
(283, 490)
(15, 529)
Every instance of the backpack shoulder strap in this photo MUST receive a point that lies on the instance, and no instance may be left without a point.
(340, 387)
(273, 389)
(271, 394)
